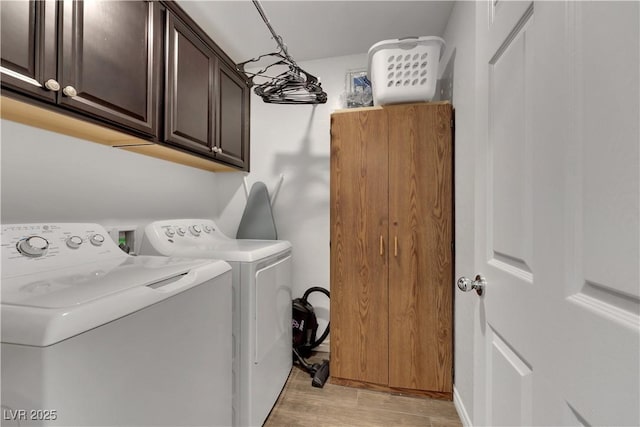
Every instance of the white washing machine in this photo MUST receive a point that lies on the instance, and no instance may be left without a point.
(92, 336)
(262, 306)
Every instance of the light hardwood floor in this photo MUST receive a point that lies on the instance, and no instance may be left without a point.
(300, 404)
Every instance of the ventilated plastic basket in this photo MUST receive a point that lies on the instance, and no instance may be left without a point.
(405, 70)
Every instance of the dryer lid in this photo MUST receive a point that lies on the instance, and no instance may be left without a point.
(235, 250)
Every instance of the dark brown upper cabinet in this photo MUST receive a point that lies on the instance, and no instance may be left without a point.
(190, 87)
(110, 61)
(28, 47)
(102, 60)
(233, 136)
(206, 102)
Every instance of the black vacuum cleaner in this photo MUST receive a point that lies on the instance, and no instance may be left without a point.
(305, 327)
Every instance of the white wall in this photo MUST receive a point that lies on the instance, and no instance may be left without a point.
(49, 177)
(294, 140)
(458, 63)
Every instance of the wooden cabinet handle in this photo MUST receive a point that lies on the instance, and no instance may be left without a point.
(395, 246)
(381, 246)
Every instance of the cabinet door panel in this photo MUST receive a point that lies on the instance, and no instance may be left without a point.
(359, 246)
(189, 106)
(234, 119)
(420, 274)
(109, 55)
(28, 48)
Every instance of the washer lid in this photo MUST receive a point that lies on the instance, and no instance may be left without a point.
(43, 308)
(235, 250)
(79, 285)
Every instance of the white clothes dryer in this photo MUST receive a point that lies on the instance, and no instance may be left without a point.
(92, 336)
(261, 271)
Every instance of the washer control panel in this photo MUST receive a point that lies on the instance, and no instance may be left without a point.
(28, 248)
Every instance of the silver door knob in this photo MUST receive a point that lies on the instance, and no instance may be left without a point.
(52, 85)
(466, 284)
(70, 91)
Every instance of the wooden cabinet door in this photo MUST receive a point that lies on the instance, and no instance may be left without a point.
(190, 89)
(110, 54)
(359, 245)
(233, 123)
(420, 270)
(28, 38)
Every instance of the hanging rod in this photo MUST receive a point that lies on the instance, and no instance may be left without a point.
(275, 35)
(294, 86)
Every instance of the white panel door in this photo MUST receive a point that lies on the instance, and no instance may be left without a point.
(557, 213)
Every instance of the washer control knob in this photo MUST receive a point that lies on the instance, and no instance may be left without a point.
(195, 230)
(97, 239)
(169, 232)
(74, 242)
(207, 229)
(33, 246)
(181, 231)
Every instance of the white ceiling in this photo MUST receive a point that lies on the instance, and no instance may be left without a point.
(315, 29)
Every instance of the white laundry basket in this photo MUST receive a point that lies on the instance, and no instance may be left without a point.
(405, 70)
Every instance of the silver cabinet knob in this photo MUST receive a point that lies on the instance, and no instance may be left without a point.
(52, 85)
(219, 150)
(70, 91)
(215, 149)
(466, 285)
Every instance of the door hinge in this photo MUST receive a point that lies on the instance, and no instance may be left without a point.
(453, 124)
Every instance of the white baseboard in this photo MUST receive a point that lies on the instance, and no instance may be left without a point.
(462, 411)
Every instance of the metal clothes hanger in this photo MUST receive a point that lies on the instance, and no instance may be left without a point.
(293, 86)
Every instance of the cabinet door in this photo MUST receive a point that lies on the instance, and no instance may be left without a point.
(420, 270)
(110, 54)
(233, 124)
(190, 89)
(359, 246)
(28, 38)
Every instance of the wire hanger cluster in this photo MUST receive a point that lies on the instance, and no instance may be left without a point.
(292, 85)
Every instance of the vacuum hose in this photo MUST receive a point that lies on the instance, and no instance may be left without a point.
(305, 297)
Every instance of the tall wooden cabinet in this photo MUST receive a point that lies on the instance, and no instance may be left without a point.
(391, 248)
